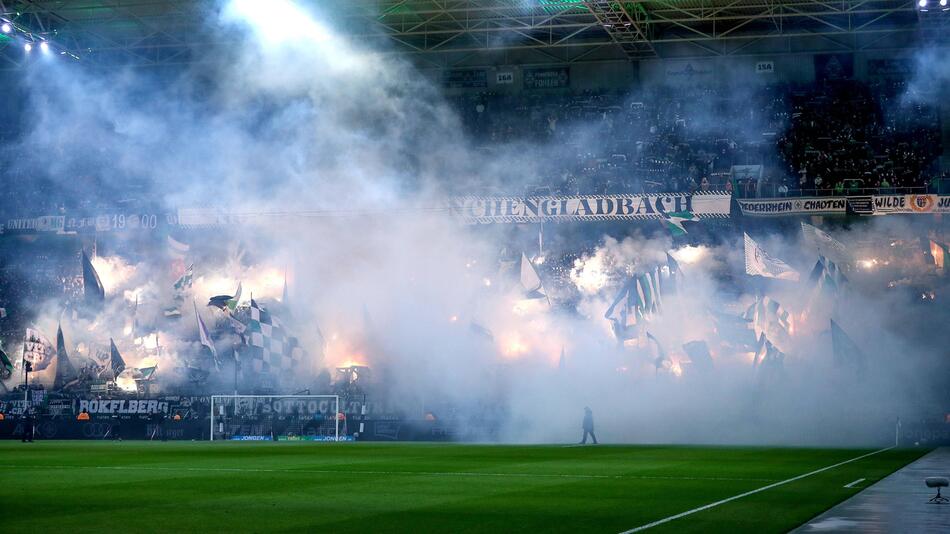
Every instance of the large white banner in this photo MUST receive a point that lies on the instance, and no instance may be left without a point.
(783, 207)
(488, 210)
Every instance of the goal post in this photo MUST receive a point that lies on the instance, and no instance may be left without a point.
(276, 418)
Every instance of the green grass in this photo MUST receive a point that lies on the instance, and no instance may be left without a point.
(82, 486)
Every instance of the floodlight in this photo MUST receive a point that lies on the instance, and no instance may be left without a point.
(6, 27)
(44, 47)
(28, 47)
(922, 3)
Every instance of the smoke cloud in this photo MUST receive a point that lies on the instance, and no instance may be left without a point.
(341, 157)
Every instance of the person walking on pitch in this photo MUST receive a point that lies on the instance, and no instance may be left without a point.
(588, 425)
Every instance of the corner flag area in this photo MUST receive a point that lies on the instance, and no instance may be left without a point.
(82, 486)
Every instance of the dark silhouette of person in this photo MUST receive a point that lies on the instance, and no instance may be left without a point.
(29, 425)
(588, 426)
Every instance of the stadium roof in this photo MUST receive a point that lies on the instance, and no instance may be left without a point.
(468, 32)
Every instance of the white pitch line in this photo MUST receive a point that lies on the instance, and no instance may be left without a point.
(364, 472)
(851, 485)
(746, 494)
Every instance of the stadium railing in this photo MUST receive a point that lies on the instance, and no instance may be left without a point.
(771, 190)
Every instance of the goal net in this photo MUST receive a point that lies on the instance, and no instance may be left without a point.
(276, 417)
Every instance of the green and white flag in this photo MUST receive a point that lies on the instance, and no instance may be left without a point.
(186, 279)
(674, 222)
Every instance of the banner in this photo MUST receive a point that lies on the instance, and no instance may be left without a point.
(898, 204)
(547, 78)
(765, 67)
(488, 210)
(123, 406)
(465, 79)
(793, 206)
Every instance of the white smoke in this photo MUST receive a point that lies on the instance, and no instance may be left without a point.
(350, 152)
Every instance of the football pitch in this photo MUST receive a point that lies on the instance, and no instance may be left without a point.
(82, 486)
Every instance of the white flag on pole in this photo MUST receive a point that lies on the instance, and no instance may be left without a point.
(758, 262)
(826, 245)
(530, 280)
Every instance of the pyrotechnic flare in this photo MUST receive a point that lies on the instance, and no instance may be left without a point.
(938, 251)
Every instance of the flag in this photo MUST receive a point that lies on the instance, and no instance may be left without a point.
(177, 249)
(233, 302)
(758, 262)
(238, 326)
(672, 264)
(66, 374)
(530, 280)
(669, 287)
(939, 253)
(116, 362)
(269, 349)
(661, 357)
(205, 337)
(6, 366)
(93, 290)
(37, 349)
(172, 313)
(766, 312)
(768, 359)
(736, 332)
(825, 278)
(844, 349)
(219, 301)
(624, 312)
(186, 279)
(699, 356)
(144, 373)
(135, 320)
(480, 330)
(825, 244)
(675, 219)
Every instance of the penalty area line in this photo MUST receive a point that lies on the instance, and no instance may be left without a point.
(751, 492)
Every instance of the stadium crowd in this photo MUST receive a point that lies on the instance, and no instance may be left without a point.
(824, 138)
(829, 138)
